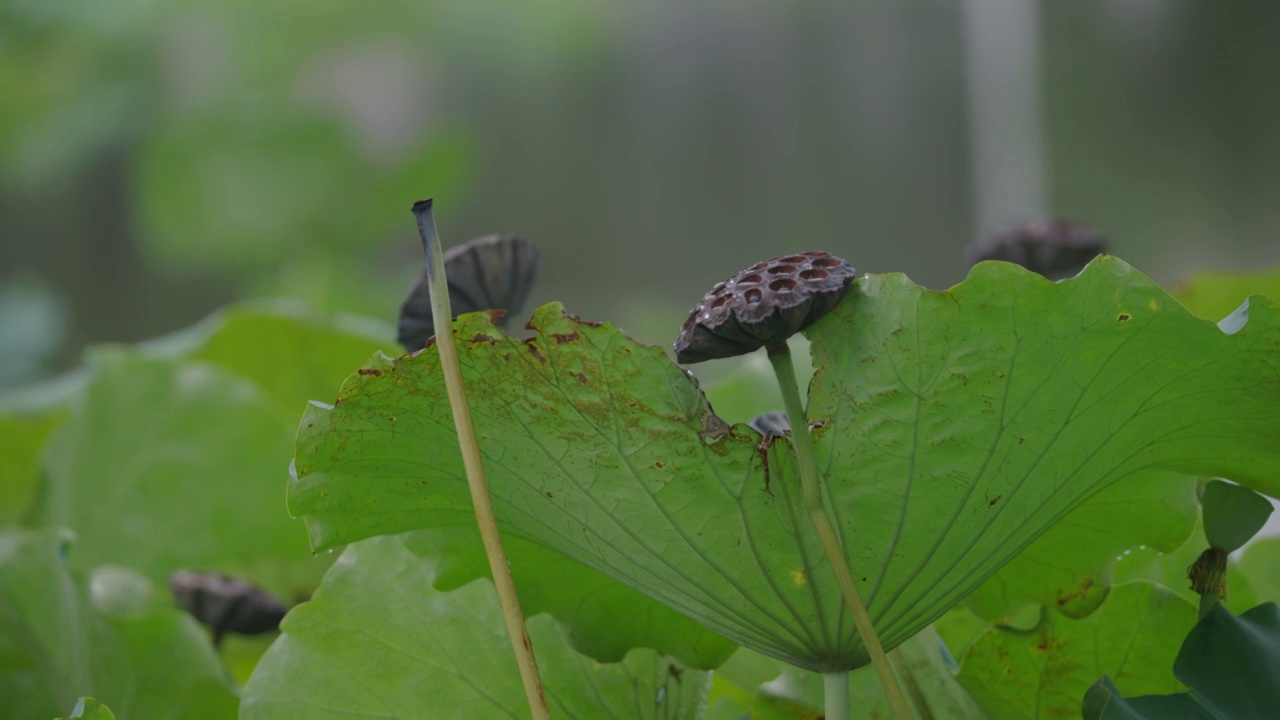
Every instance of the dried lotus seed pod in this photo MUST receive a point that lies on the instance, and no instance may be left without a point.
(491, 272)
(1053, 248)
(763, 305)
(226, 603)
(771, 424)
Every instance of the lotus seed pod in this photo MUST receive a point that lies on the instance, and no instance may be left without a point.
(771, 424)
(492, 272)
(1053, 248)
(763, 305)
(226, 603)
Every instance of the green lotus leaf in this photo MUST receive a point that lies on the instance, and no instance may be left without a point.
(291, 353)
(603, 618)
(1230, 663)
(1232, 514)
(1133, 637)
(953, 428)
(378, 640)
(1155, 510)
(64, 636)
(170, 464)
(89, 709)
(1260, 563)
(23, 437)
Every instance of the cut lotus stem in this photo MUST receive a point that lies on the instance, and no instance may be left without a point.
(443, 318)
(806, 459)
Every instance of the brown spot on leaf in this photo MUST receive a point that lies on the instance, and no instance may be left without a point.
(992, 502)
(549, 494)
(370, 371)
(532, 347)
(562, 338)
(1042, 645)
(581, 378)
(658, 464)
(495, 314)
(580, 321)
(481, 337)
(762, 449)
(1123, 317)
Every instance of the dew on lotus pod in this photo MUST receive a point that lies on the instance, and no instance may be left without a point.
(1052, 247)
(763, 305)
(226, 603)
(494, 272)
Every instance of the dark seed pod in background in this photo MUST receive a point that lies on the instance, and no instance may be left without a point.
(763, 305)
(1054, 248)
(771, 424)
(494, 272)
(226, 603)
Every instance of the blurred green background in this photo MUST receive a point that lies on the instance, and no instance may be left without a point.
(160, 158)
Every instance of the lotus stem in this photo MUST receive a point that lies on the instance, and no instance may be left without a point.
(835, 695)
(806, 459)
(442, 316)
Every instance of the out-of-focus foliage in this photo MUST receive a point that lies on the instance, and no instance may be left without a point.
(66, 634)
(411, 651)
(1043, 673)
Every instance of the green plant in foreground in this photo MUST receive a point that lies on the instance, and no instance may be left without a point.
(953, 428)
(186, 439)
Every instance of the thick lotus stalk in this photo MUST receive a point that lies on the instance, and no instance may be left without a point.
(1054, 248)
(763, 306)
(494, 272)
(470, 449)
(226, 604)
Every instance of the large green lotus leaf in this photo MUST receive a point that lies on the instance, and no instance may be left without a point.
(28, 418)
(63, 636)
(953, 429)
(378, 640)
(292, 354)
(603, 618)
(1134, 638)
(22, 441)
(1154, 510)
(168, 464)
